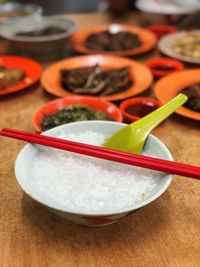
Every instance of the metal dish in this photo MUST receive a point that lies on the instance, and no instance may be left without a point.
(38, 46)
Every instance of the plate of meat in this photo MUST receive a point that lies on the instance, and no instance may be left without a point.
(186, 82)
(109, 77)
(115, 39)
(17, 73)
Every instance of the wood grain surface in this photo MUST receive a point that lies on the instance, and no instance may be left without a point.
(165, 233)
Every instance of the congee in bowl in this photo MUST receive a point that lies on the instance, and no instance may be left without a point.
(84, 189)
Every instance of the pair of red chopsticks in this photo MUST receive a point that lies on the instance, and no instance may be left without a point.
(108, 154)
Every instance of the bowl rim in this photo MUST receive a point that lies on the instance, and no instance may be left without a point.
(77, 98)
(49, 20)
(56, 207)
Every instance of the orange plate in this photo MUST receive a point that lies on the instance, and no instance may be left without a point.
(32, 72)
(147, 38)
(93, 102)
(169, 86)
(140, 74)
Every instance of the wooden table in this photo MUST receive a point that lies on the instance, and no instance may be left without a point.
(165, 233)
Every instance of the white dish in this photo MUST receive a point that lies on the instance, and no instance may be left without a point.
(167, 41)
(25, 158)
(168, 7)
(33, 11)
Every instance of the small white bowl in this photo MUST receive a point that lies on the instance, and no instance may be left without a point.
(38, 46)
(153, 147)
(32, 11)
(165, 11)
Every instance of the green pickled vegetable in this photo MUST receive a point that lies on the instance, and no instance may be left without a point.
(72, 113)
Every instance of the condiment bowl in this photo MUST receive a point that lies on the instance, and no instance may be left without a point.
(38, 46)
(95, 103)
(24, 162)
(135, 108)
(163, 66)
(161, 29)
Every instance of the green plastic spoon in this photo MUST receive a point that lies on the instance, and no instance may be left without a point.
(132, 137)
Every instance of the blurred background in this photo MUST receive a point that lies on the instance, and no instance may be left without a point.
(154, 11)
(51, 7)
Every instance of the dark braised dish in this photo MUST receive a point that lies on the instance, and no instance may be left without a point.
(72, 113)
(10, 76)
(42, 32)
(107, 41)
(193, 93)
(95, 81)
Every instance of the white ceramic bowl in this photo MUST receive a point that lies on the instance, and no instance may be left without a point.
(25, 158)
(166, 11)
(32, 11)
(42, 46)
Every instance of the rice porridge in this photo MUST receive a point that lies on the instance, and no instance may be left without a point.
(86, 184)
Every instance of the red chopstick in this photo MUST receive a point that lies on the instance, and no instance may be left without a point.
(64, 141)
(108, 154)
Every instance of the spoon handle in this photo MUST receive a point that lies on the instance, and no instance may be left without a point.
(156, 117)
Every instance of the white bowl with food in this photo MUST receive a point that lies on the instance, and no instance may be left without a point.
(41, 36)
(87, 190)
(164, 11)
(10, 12)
